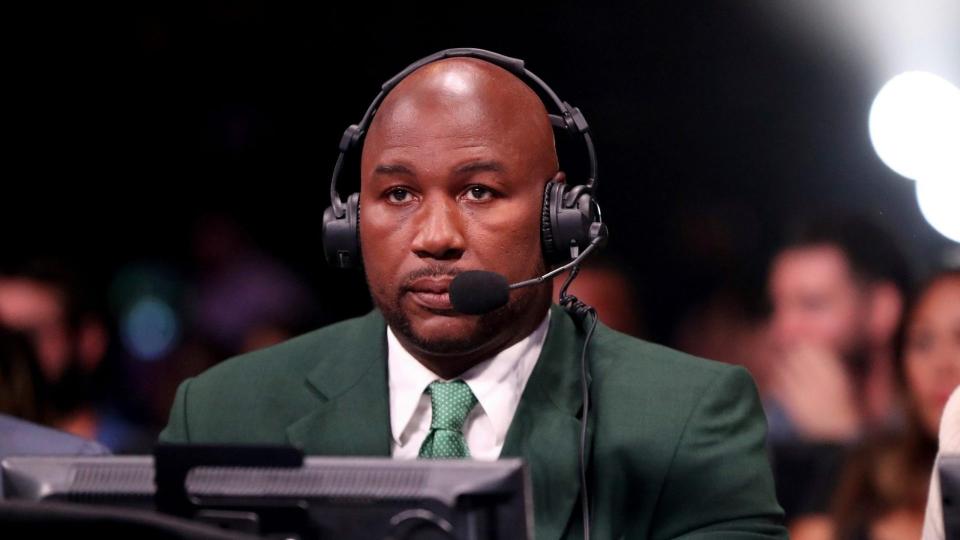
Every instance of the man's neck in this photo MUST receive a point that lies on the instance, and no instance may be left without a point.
(451, 365)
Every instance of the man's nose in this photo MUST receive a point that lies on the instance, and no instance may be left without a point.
(439, 230)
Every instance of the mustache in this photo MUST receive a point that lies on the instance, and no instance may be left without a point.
(433, 271)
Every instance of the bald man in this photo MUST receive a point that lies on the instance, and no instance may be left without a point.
(453, 172)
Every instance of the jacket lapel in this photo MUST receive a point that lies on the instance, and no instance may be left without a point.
(546, 429)
(352, 416)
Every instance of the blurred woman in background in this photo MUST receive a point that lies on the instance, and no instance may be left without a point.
(882, 494)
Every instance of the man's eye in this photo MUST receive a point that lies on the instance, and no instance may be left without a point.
(479, 193)
(398, 195)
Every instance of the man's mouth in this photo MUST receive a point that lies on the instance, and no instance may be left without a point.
(432, 293)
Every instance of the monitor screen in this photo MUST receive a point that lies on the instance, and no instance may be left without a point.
(323, 498)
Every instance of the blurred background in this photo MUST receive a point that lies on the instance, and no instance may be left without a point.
(172, 160)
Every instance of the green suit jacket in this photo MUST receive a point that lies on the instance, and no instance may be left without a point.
(676, 442)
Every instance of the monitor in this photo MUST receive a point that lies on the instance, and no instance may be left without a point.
(322, 498)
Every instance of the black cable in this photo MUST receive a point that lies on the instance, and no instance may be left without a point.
(580, 311)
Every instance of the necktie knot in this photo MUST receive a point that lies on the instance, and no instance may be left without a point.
(451, 402)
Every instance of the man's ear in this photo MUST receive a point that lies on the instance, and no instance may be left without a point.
(886, 309)
(560, 177)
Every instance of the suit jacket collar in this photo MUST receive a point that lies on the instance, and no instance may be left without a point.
(353, 417)
(546, 428)
(350, 380)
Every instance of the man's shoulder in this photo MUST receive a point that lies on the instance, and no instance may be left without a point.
(637, 361)
(293, 359)
(693, 430)
(254, 396)
(634, 378)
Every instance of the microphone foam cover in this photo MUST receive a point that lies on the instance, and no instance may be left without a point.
(476, 292)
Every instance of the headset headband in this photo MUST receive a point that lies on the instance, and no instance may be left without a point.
(570, 118)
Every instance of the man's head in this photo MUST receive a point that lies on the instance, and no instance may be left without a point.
(838, 284)
(452, 177)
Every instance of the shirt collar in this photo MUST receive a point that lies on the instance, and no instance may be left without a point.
(497, 382)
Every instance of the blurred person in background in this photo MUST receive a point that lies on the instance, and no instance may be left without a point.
(837, 290)
(243, 298)
(883, 487)
(235, 298)
(605, 284)
(19, 373)
(21, 412)
(44, 300)
(728, 329)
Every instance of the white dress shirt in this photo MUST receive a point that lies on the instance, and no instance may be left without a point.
(949, 444)
(497, 383)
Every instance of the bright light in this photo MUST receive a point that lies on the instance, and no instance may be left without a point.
(150, 328)
(915, 126)
(940, 205)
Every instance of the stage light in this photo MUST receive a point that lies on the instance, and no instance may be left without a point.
(940, 205)
(915, 126)
(150, 328)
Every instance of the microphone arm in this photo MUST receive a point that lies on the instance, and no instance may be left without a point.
(537, 280)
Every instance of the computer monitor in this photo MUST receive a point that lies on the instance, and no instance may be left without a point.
(324, 498)
(950, 494)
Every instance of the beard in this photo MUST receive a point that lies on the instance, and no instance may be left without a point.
(488, 327)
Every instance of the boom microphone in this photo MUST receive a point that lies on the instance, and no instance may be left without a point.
(475, 292)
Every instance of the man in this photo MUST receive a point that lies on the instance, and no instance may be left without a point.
(453, 171)
(837, 290)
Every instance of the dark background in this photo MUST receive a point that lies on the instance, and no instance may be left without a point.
(715, 127)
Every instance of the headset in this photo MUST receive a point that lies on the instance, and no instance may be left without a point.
(570, 218)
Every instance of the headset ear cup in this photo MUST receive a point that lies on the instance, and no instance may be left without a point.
(353, 209)
(546, 233)
(565, 224)
(546, 229)
(341, 235)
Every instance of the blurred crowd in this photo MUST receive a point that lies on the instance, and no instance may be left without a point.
(854, 358)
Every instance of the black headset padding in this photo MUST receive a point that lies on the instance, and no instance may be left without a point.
(341, 235)
(566, 220)
(546, 228)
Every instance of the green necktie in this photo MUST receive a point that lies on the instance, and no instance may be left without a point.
(451, 402)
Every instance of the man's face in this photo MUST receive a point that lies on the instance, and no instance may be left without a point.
(450, 185)
(817, 301)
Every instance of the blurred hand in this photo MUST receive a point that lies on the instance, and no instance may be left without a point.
(817, 392)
